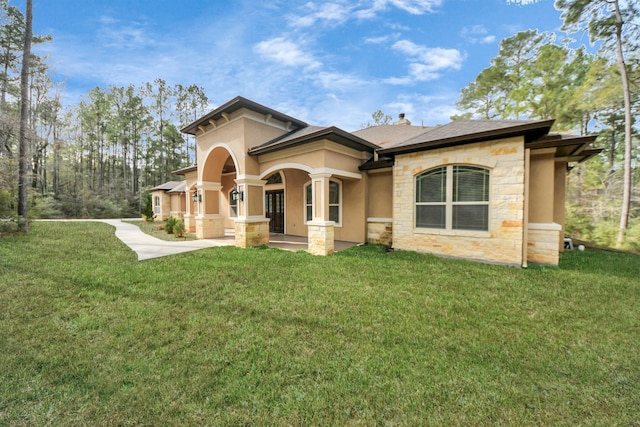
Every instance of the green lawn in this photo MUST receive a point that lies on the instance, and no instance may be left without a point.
(229, 336)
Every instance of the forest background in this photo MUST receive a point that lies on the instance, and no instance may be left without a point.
(99, 157)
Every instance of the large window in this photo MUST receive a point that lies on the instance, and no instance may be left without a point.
(334, 202)
(453, 197)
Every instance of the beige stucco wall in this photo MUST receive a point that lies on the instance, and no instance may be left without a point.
(503, 242)
(295, 179)
(559, 199)
(380, 190)
(541, 187)
(244, 130)
(354, 216)
(165, 204)
(178, 205)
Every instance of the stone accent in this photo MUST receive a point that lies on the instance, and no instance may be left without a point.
(321, 237)
(542, 243)
(189, 223)
(209, 227)
(380, 231)
(503, 242)
(251, 233)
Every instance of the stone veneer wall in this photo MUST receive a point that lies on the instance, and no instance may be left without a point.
(542, 243)
(380, 231)
(503, 242)
(209, 227)
(251, 233)
(321, 238)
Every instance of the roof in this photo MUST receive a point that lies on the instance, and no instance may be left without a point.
(186, 170)
(385, 135)
(236, 104)
(167, 186)
(312, 134)
(467, 131)
(180, 188)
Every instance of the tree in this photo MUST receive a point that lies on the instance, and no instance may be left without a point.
(24, 121)
(379, 118)
(605, 21)
(485, 96)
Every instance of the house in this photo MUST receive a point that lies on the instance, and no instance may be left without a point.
(169, 199)
(484, 190)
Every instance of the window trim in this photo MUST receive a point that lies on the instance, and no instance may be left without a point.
(306, 205)
(449, 203)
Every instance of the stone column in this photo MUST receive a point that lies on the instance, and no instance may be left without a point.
(209, 221)
(251, 225)
(320, 229)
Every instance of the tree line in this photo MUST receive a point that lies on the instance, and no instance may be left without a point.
(536, 76)
(96, 158)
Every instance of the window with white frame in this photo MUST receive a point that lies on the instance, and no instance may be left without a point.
(335, 204)
(157, 204)
(453, 197)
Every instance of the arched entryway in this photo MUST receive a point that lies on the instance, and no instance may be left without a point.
(213, 208)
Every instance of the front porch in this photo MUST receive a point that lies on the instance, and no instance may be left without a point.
(282, 241)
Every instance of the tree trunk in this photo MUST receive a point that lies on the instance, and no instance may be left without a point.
(24, 116)
(626, 195)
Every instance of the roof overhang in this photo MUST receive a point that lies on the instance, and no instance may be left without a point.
(332, 133)
(570, 148)
(186, 170)
(236, 104)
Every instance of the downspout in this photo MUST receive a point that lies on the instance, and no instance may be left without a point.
(525, 214)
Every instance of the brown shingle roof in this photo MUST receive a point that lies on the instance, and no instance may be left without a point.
(386, 135)
(311, 134)
(167, 186)
(468, 131)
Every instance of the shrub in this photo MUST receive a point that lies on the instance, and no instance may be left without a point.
(147, 211)
(178, 228)
(169, 223)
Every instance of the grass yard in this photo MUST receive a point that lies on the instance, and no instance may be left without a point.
(229, 336)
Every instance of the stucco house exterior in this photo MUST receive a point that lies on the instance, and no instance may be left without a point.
(491, 191)
(169, 199)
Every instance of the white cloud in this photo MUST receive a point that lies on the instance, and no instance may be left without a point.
(432, 58)
(285, 52)
(338, 81)
(333, 13)
(477, 34)
(425, 62)
(414, 7)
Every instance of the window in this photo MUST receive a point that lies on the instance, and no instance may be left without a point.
(334, 202)
(308, 200)
(453, 197)
(156, 203)
(276, 178)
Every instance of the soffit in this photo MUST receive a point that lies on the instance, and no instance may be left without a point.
(234, 105)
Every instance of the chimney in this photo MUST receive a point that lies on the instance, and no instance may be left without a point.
(402, 120)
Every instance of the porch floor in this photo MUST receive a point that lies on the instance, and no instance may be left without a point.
(285, 241)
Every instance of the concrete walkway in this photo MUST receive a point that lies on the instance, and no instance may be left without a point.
(148, 247)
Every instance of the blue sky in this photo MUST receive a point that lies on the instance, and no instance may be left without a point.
(326, 62)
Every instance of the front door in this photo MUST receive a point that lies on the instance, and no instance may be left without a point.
(275, 210)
